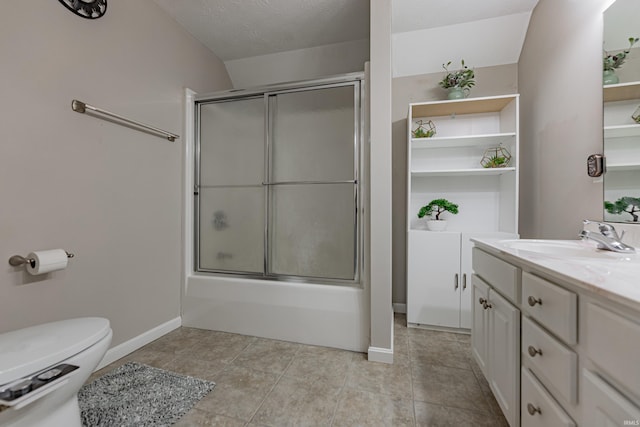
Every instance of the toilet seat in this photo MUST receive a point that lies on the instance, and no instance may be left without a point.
(30, 350)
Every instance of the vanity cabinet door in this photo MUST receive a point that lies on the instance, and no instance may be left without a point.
(504, 355)
(480, 324)
(604, 406)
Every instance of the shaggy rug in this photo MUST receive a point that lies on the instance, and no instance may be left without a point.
(139, 395)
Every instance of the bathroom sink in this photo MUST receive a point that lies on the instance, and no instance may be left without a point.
(563, 248)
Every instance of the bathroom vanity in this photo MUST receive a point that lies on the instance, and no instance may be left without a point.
(556, 331)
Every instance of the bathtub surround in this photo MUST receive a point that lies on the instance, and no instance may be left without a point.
(107, 193)
(135, 394)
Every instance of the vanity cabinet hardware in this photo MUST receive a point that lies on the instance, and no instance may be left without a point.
(482, 301)
(533, 351)
(455, 282)
(486, 305)
(464, 281)
(533, 409)
(533, 301)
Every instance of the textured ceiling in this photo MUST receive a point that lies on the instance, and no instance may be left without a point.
(492, 30)
(235, 29)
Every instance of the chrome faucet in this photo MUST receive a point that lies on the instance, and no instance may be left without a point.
(607, 239)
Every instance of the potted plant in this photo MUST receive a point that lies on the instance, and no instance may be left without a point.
(612, 62)
(630, 205)
(434, 209)
(457, 82)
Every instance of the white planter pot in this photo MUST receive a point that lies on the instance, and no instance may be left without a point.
(436, 225)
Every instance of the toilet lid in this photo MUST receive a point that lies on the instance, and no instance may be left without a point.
(30, 350)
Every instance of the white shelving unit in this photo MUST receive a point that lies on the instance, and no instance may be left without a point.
(621, 144)
(447, 165)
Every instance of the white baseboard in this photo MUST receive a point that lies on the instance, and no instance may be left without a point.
(377, 354)
(135, 343)
(399, 308)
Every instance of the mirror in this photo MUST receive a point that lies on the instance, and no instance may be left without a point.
(621, 83)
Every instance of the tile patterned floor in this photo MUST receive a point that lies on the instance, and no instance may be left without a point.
(261, 382)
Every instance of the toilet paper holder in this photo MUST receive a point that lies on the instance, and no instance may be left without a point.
(18, 260)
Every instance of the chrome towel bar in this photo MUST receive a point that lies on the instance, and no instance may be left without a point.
(82, 107)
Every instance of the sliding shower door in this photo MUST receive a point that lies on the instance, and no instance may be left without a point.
(231, 217)
(312, 183)
(278, 184)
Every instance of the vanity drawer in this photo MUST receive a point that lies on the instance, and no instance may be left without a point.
(501, 275)
(537, 407)
(607, 331)
(551, 305)
(551, 361)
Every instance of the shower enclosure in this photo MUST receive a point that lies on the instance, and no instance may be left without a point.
(277, 183)
(277, 247)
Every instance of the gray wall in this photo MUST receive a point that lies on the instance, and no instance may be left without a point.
(108, 193)
(300, 64)
(560, 82)
(490, 81)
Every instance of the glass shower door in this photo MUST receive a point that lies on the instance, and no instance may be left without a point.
(231, 204)
(312, 197)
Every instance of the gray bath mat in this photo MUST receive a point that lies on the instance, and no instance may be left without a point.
(139, 395)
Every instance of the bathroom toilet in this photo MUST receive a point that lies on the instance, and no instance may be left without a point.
(43, 367)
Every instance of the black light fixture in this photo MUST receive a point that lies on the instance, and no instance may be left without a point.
(90, 9)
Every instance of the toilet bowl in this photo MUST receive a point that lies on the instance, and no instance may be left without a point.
(43, 367)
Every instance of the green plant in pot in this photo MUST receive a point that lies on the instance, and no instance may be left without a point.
(630, 205)
(434, 209)
(458, 82)
(611, 62)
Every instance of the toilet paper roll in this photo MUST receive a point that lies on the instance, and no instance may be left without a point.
(47, 261)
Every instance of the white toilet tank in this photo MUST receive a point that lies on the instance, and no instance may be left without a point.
(43, 367)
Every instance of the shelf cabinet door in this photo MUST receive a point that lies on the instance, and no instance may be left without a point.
(433, 277)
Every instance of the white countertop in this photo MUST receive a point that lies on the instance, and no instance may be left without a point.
(610, 275)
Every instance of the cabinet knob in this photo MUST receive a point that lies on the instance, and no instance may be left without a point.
(482, 301)
(486, 305)
(533, 301)
(533, 351)
(532, 409)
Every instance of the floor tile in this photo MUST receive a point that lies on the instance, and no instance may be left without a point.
(267, 383)
(199, 418)
(439, 352)
(442, 416)
(361, 408)
(221, 346)
(238, 393)
(393, 380)
(295, 402)
(448, 386)
(205, 369)
(147, 356)
(421, 334)
(320, 363)
(267, 355)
